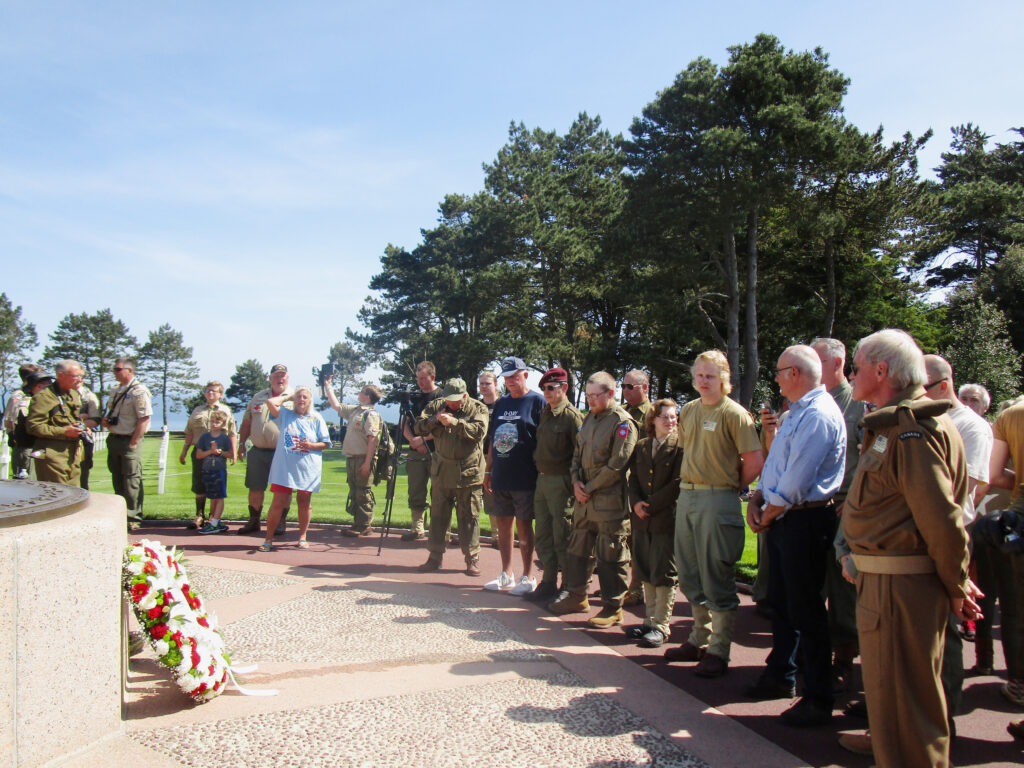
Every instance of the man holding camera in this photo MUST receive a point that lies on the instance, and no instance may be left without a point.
(54, 420)
(418, 464)
(129, 412)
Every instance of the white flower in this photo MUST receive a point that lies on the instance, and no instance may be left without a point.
(161, 647)
(134, 568)
(148, 601)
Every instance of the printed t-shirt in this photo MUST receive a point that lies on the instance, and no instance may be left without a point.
(291, 467)
(214, 463)
(513, 435)
(713, 437)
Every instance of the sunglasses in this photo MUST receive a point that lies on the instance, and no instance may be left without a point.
(552, 387)
(631, 387)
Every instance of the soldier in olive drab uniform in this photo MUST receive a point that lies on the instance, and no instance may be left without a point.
(360, 448)
(635, 385)
(903, 521)
(553, 499)
(129, 411)
(17, 406)
(262, 430)
(54, 416)
(91, 418)
(419, 462)
(458, 425)
(601, 518)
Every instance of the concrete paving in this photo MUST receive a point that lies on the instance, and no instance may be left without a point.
(377, 664)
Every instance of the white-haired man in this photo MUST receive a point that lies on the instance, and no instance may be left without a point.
(903, 521)
(802, 473)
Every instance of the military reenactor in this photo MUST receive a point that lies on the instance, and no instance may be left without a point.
(903, 521)
(199, 423)
(17, 406)
(553, 500)
(262, 430)
(418, 465)
(360, 448)
(635, 385)
(721, 455)
(129, 411)
(600, 525)
(91, 417)
(55, 421)
(458, 426)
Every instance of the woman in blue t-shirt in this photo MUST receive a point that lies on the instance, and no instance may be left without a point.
(298, 460)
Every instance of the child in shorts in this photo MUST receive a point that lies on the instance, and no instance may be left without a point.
(212, 450)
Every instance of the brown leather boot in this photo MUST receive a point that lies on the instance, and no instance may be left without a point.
(253, 526)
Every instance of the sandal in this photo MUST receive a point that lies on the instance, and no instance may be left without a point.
(266, 546)
(303, 544)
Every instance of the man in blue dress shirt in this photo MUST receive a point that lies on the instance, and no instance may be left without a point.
(793, 503)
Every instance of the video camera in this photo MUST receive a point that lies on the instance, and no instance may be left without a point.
(323, 373)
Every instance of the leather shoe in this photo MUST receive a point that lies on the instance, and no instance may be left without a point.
(979, 670)
(355, 533)
(711, 666)
(806, 714)
(858, 743)
(653, 638)
(684, 652)
(413, 536)
(432, 564)
(769, 688)
(1016, 729)
(544, 592)
(636, 631)
(607, 617)
(473, 567)
(632, 598)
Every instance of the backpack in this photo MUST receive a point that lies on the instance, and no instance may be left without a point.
(21, 435)
(385, 453)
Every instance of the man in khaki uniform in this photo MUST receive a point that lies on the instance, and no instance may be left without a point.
(418, 465)
(129, 411)
(258, 427)
(54, 419)
(601, 517)
(553, 500)
(635, 385)
(903, 521)
(360, 448)
(721, 454)
(458, 426)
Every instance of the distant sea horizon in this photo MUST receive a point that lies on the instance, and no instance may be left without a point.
(176, 420)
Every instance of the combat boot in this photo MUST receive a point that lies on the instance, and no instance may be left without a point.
(253, 526)
(609, 616)
(570, 602)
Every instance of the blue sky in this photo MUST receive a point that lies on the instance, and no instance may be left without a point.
(236, 169)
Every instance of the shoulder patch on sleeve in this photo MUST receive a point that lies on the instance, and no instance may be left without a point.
(623, 429)
(910, 434)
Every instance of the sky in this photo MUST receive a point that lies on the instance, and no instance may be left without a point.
(236, 169)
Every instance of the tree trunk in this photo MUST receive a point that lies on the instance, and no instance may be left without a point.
(830, 287)
(752, 369)
(733, 291)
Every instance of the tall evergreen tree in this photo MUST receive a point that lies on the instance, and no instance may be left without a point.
(95, 341)
(17, 340)
(169, 363)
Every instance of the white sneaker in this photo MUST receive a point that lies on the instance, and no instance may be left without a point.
(505, 581)
(525, 586)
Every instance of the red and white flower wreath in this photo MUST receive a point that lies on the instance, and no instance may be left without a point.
(181, 632)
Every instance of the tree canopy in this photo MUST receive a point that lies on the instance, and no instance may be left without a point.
(17, 340)
(95, 341)
(166, 360)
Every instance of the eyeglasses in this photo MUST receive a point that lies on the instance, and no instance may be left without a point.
(780, 370)
(121, 368)
(552, 387)
(631, 387)
(933, 384)
(595, 395)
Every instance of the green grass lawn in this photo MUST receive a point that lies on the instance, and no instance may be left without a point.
(177, 501)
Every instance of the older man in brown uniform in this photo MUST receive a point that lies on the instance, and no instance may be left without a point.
(903, 520)
(54, 419)
(262, 430)
(601, 517)
(458, 425)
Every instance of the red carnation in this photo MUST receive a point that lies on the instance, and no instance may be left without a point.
(149, 567)
(177, 638)
(201, 688)
(159, 631)
(155, 613)
(139, 591)
(195, 657)
(184, 588)
(203, 622)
